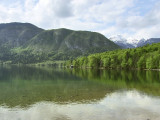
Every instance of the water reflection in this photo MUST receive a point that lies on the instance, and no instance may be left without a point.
(76, 94)
(146, 81)
(126, 105)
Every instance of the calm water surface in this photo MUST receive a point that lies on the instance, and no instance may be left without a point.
(36, 93)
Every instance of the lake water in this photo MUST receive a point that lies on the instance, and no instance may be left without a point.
(45, 93)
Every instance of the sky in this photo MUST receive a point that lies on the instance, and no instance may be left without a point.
(129, 18)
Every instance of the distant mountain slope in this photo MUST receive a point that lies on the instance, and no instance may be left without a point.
(148, 41)
(124, 45)
(121, 41)
(17, 34)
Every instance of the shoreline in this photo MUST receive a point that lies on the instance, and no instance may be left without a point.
(103, 68)
(152, 69)
(57, 65)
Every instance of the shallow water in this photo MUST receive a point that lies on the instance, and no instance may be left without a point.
(33, 93)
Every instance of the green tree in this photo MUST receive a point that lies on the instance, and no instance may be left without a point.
(141, 62)
(149, 61)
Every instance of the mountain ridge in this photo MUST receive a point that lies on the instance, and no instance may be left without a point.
(17, 34)
(26, 43)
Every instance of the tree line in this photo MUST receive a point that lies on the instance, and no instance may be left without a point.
(147, 57)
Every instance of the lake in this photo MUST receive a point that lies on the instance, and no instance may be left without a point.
(46, 93)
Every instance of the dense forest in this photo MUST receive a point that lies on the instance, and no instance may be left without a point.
(147, 57)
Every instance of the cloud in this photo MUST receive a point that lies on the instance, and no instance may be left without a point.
(110, 17)
(63, 8)
(11, 13)
(142, 26)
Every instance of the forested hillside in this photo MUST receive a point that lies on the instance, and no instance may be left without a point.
(64, 44)
(147, 57)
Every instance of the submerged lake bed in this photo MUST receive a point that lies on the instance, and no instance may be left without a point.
(38, 93)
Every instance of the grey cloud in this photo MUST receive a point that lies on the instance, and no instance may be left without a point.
(63, 8)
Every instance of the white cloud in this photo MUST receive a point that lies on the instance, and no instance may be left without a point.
(142, 26)
(109, 17)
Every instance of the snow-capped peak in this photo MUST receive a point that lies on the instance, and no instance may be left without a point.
(135, 42)
(132, 41)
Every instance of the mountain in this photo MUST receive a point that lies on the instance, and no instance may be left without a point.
(121, 41)
(148, 41)
(26, 43)
(66, 44)
(132, 43)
